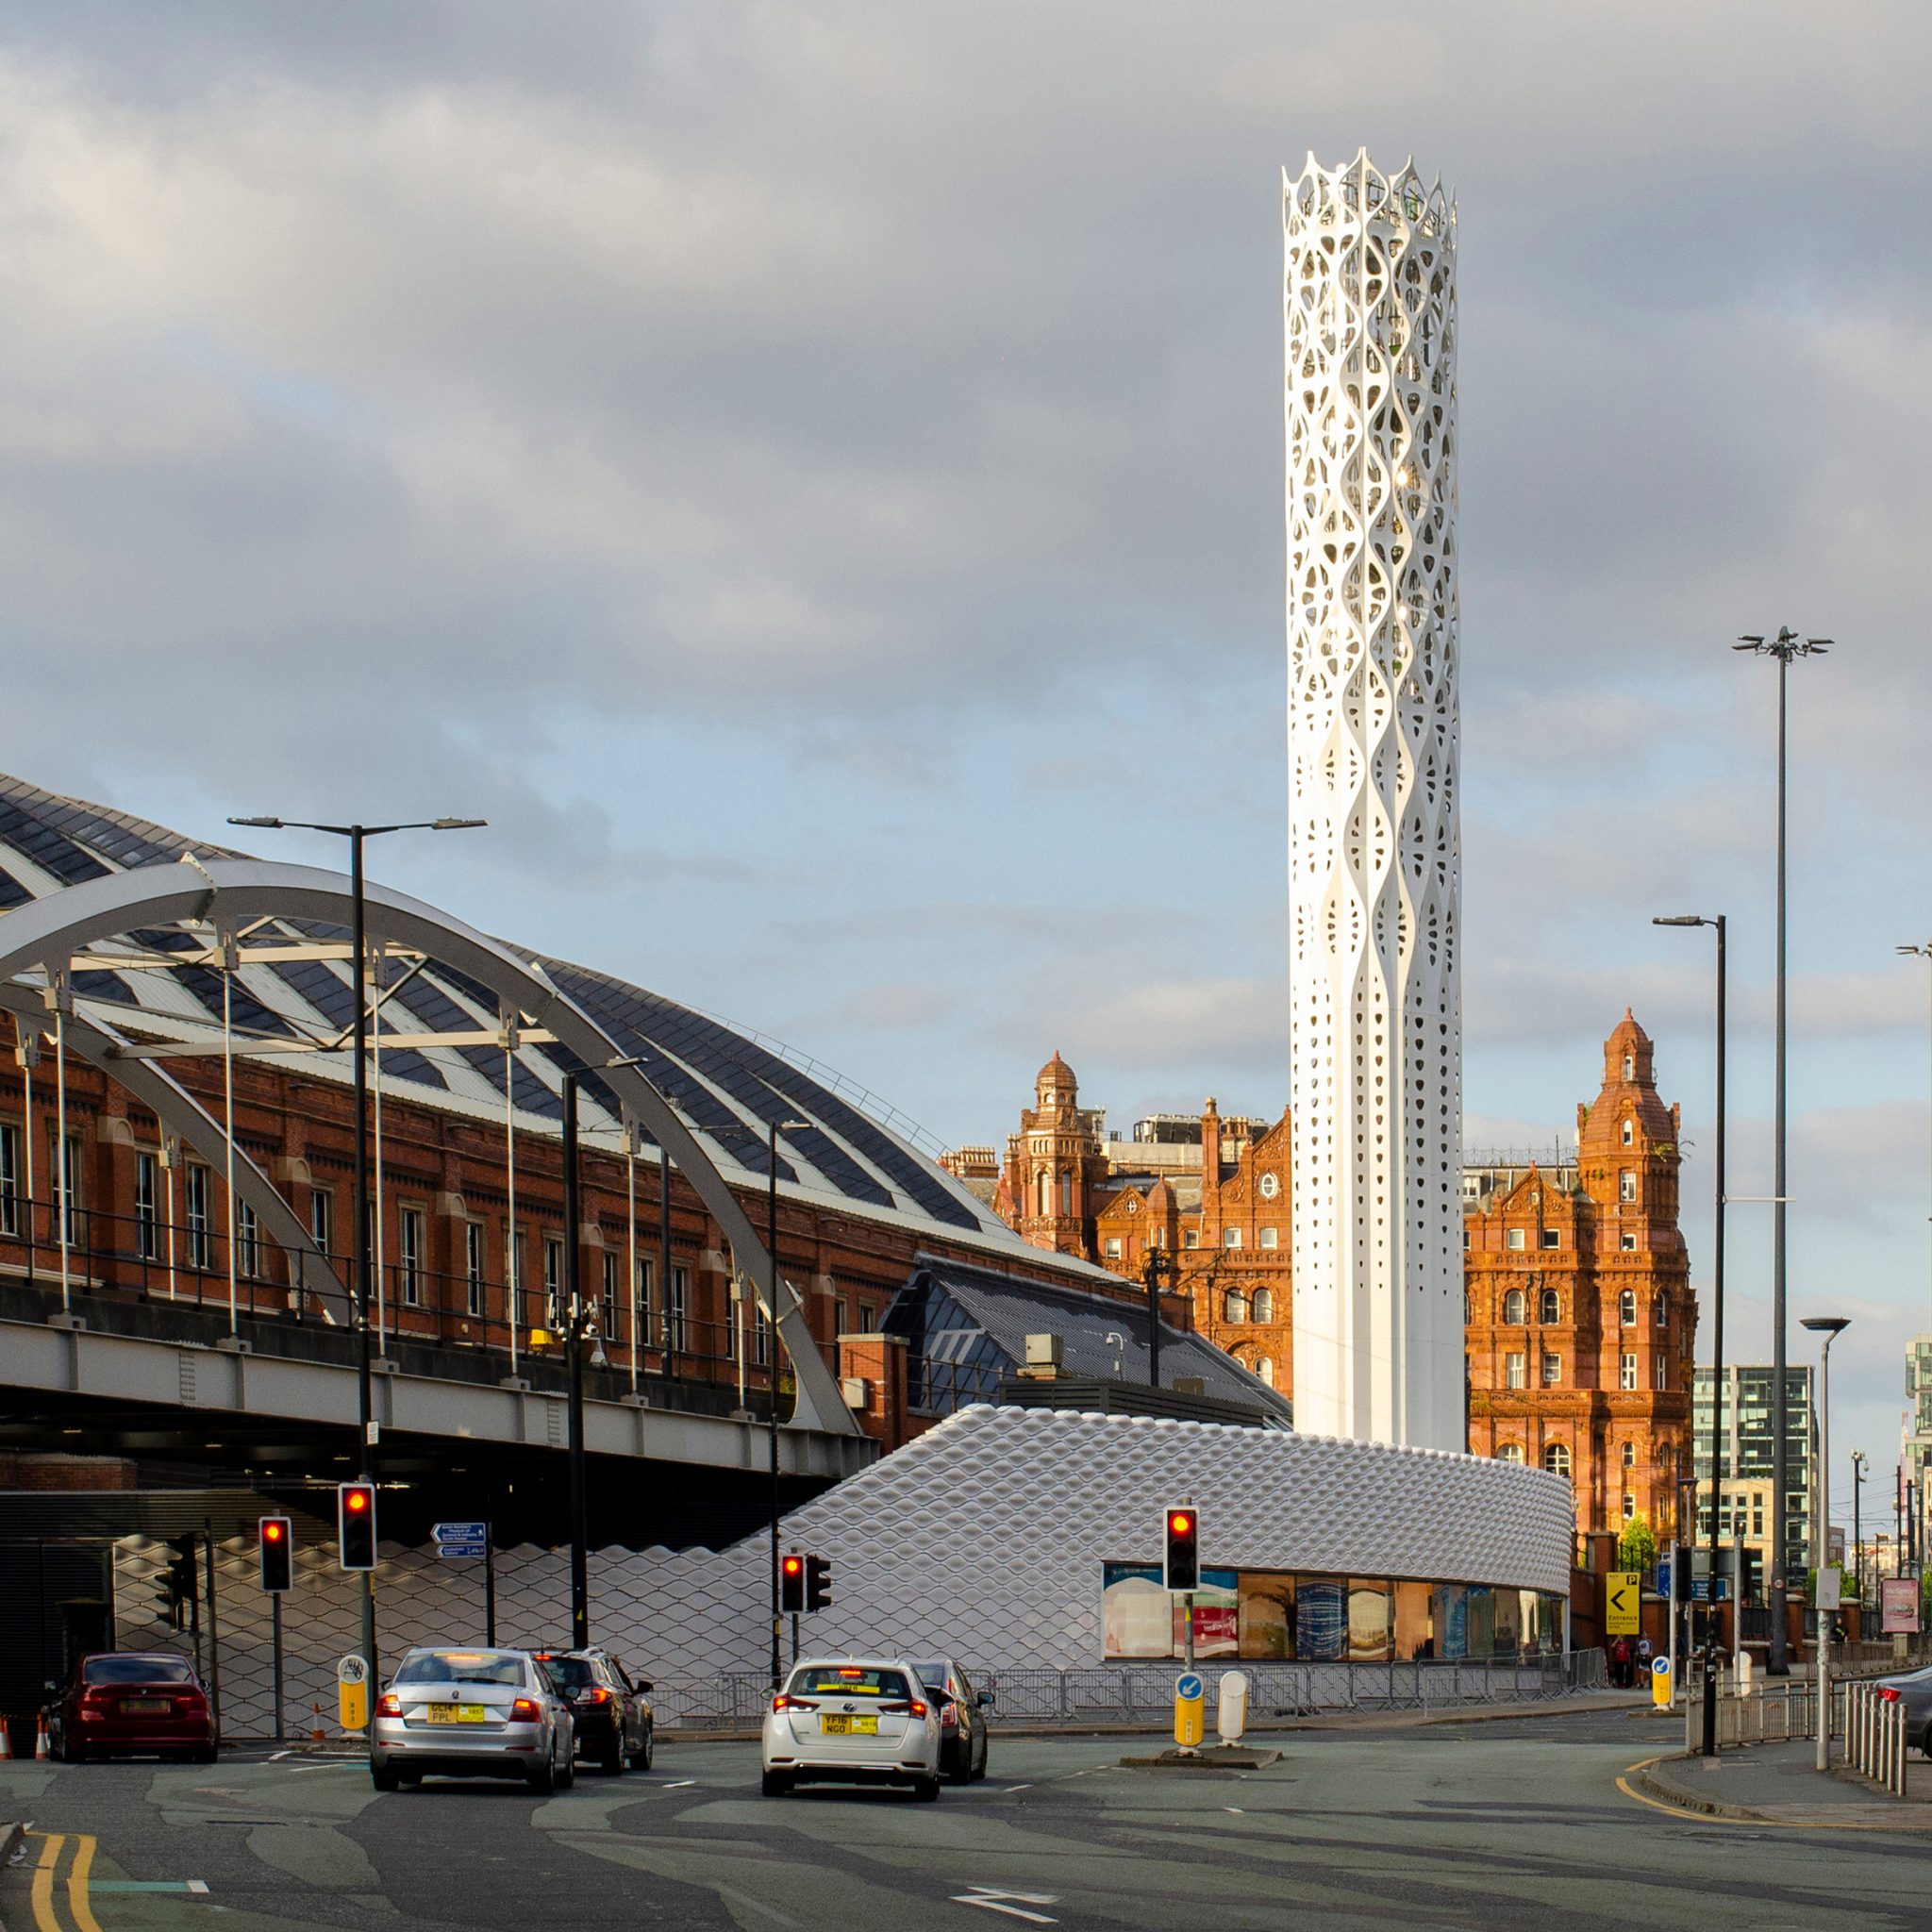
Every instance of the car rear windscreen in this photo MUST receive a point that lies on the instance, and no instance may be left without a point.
(571, 1673)
(462, 1667)
(136, 1670)
(847, 1680)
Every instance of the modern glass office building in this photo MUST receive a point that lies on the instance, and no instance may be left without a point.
(1744, 1510)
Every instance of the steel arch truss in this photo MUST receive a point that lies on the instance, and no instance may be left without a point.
(232, 894)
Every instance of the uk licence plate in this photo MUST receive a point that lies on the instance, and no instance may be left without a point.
(457, 1714)
(144, 1706)
(848, 1726)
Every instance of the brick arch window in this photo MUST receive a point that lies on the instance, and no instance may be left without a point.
(1557, 1458)
(1661, 1312)
(1509, 1452)
(1234, 1306)
(1263, 1305)
(1514, 1308)
(1629, 1455)
(1549, 1306)
(1627, 1308)
(1265, 1367)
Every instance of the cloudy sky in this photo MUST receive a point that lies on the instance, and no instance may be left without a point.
(810, 476)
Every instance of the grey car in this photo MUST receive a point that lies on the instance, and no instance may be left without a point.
(1913, 1690)
(470, 1713)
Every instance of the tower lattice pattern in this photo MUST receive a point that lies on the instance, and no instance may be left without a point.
(1374, 871)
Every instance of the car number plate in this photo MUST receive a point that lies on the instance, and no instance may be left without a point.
(845, 1726)
(144, 1706)
(457, 1713)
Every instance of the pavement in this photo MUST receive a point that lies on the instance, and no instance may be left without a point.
(1780, 1784)
(1521, 1822)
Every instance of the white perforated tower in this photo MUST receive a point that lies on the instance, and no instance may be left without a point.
(1374, 868)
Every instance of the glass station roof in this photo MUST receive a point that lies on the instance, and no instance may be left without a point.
(730, 1089)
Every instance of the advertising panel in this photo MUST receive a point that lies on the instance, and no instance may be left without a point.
(1898, 1605)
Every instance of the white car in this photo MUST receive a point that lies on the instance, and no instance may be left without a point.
(848, 1720)
(470, 1713)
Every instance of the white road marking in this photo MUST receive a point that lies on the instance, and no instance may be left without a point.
(1235, 1808)
(195, 1884)
(1011, 1789)
(677, 1784)
(993, 1902)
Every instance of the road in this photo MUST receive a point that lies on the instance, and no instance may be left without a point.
(1518, 1822)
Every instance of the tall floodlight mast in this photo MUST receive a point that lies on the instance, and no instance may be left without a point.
(1375, 866)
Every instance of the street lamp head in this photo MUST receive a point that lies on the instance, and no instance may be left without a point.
(1826, 1324)
(265, 824)
(456, 825)
(1682, 919)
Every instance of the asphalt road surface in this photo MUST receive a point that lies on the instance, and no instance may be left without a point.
(1504, 1823)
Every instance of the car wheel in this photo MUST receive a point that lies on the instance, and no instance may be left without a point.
(774, 1784)
(382, 1777)
(611, 1759)
(409, 1780)
(981, 1770)
(73, 1754)
(961, 1771)
(204, 1754)
(544, 1777)
(927, 1791)
(567, 1771)
(640, 1757)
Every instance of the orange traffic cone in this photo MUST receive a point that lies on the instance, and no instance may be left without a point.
(317, 1735)
(5, 1739)
(41, 1738)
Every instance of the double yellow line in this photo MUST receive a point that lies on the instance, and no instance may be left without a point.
(46, 1871)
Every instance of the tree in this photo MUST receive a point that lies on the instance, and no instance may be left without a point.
(1637, 1547)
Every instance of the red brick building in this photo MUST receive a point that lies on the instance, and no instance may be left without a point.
(1580, 1319)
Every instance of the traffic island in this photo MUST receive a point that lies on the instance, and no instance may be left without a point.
(1775, 1784)
(1215, 1757)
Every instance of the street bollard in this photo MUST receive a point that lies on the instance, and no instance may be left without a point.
(1661, 1692)
(1189, 1699)
(1231, 1706)
(352, 1693)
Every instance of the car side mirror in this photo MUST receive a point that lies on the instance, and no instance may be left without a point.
(984, 1699)
(643, 1684)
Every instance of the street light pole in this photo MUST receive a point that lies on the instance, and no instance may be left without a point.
(776, 1128)
(1831, 1327)
(1784, 647)
(573, 1316)
(1717, 1351)
(357, 835)
(1858, 1461)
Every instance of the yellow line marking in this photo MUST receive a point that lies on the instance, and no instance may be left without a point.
(1684, 1814)
(77, 1901)
(43, 1894)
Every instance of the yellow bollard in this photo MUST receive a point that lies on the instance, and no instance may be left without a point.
(1190, 1705)
(1660, 1682)
(352, 1693)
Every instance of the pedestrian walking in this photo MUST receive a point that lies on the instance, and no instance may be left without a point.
(1620, 1663)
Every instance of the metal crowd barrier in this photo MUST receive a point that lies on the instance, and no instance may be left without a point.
(1874, 1736)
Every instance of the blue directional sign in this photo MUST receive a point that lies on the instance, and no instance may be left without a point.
(1190, 1686)
(460, 1533)
(461, 1549)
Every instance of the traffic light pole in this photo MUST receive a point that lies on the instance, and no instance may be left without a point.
(275, 1612)
(365, 1394)
(574, 1303)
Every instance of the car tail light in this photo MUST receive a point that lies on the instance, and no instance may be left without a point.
(525, 1710)
(595, 1694)
(1889, 1694)
(93, 1697)
(191, 1700)
(907, 1707)
(949, 1718)
(388, 1705)
(784, 1703)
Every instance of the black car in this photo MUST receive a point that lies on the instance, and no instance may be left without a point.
(962, 1719)
(613, 1720)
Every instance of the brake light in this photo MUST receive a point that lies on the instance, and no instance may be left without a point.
(850, 1675)
(388, 1705)
(94, 1695)
(785, 1703)
(1889, 1694)
(910, 1707)
(525, 1710)
(595, 1694)
(949, 1718)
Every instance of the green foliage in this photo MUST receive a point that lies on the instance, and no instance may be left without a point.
(1637, 1547)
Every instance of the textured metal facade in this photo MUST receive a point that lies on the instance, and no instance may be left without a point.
(1375, 875)
(985, 1538)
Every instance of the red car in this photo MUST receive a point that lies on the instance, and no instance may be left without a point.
(131, 1700)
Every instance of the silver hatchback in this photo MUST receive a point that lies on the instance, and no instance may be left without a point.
(470, 1713)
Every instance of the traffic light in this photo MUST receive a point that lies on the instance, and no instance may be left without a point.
(356, 1525)
(818, 1582)
(278, 1547)
(1182, 1571)
(177, 1589)
(792, 1582)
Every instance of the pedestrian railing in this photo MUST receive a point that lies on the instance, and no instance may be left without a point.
(1143, 1693)
(1874, 1735)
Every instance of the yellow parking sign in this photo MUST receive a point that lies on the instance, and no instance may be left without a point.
(1623, 1603)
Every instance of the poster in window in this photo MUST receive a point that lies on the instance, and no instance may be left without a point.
(1136, 1613)
(1267, 1614)
(1321, 1606)
(1217, 1616)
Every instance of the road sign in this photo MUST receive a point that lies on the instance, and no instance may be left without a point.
(352, 1693)
(1664, 1572)
(450, 1550)
(459, 1532)
(1623, 1603)
(1659, 1680)
(1831, 1587)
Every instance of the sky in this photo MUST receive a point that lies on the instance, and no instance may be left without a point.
(810, 476)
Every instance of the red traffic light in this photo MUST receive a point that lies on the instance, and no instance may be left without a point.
(356, 1501)
(1179, 1523)
(271, 1530)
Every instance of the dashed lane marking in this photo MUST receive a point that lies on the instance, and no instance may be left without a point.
(1013, 1903)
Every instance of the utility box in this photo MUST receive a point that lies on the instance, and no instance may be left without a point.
(1044, 1355)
